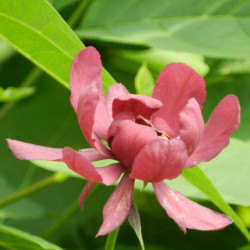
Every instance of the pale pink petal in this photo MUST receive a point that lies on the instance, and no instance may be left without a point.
(130, 138)
(114, 91)
(76, 162)
(91, 154)
(176, 84)
(86, 69)
(117, 207)
(110, 174)
(27, 151)
(84, 193)
(137, 104)
(186, 213)
(159, 160)
(224, 120)
(191, 125)
(87, 105)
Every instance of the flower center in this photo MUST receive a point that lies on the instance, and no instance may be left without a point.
(143, 121)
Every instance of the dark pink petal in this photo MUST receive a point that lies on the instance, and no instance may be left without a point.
(159, 160)
(137, 104)
(191, 125)
(113, 127)
(27, 151)
(80, 165)
(102, 120)
(130, 138)
(188, 214)
(86, 69)
(91, 154)
(176, 84)
(117, 207)
(110, 174)
(114, 91)
(85, 191)
(160, 125)
(86, 110)
(224, 120)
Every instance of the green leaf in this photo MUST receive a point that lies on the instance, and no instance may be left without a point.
(12, 94)
(135, 222)
(5, 51)
(15, 239)
(144, 81)
(157, 59)
(212, 28)
(47, 41)
(244, 214)
(199, 179)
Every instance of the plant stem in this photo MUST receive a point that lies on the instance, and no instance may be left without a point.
(34, 74)
(57, 177)
(72, 21)
(65, 216)
(111, 240)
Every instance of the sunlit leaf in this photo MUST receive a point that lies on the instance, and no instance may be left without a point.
(12, 238)
(47, 41)
(244, 214)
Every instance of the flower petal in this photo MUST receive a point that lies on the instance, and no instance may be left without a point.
(224, 120)
(159, 160)
(86, 110)
(176, 84)
(130, 138)
(117, 207)
(113, 127)
(110, 174)
(186, 213)
(28, 151)
(114, 92)
(191, 125)
(85, 69)
(137, 104)
(91, 154)
(76, 162)
(84, 193)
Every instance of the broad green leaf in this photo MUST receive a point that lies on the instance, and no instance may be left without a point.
(47, 41)
(15, 239)
(144, 81)
(199, 179)
(157, 59)
(209, 27)
(12, 94)
(135, 222)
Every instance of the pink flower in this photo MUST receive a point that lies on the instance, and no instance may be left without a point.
(152, 139)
